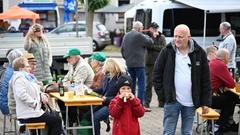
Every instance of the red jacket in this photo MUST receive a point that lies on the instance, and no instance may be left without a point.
(220, 76)
(125, 116)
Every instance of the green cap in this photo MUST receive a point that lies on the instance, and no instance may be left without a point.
(72, 52)
(99, 56)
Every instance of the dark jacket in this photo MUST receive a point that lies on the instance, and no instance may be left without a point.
(133, 48)
(164, 69)
(154, 50)
(109, 89)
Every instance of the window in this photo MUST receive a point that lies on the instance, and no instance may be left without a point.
(81, 27)
(234, 19)
(101, 27)
(122, 2)
(194, 18)
(65, 28)
(144, 16)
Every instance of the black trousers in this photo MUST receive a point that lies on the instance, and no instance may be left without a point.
(54, 123)
(226, 103)
(149, 84)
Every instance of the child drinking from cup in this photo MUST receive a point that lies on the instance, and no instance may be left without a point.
(125, 109)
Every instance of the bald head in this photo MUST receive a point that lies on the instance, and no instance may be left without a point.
(223, 55)
(183, 28)
(182, 36)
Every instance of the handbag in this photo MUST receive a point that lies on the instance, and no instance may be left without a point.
(51, 111)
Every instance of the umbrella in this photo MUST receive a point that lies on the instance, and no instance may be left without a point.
(16, 12)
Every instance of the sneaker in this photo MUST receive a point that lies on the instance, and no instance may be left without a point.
(147, 109)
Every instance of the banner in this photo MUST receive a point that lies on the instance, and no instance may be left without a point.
(69, 7)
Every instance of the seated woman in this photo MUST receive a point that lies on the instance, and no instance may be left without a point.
(29, 98)
(112, 70)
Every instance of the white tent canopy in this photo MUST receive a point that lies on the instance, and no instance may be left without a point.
(212, 6)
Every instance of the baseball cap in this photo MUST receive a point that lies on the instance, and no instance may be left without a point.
(72, 52)
(99, 56)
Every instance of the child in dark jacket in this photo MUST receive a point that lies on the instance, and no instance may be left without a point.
(125, 109)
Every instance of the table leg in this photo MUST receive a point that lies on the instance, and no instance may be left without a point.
(67, 122)
(239, 124)
(92, 117)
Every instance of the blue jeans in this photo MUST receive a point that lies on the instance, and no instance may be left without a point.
(138, 73)
(171, 114)
(100, 113)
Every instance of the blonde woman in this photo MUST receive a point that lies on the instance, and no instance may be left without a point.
(112, 70)
(37, 44)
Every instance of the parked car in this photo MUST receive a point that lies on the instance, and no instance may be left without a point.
(101, 36)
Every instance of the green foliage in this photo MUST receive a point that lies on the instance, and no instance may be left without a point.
(96, 4)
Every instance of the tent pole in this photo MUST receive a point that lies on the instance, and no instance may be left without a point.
(204, 28)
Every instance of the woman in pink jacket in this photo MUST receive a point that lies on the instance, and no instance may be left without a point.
(125, 109)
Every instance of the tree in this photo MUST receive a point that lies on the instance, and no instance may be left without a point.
(92, 6)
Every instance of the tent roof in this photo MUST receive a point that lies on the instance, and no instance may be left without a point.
(16, 12)
(213, 6)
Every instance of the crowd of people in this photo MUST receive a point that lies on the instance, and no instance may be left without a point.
(183, 75)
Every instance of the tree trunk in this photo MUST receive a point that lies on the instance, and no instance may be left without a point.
(89, 23)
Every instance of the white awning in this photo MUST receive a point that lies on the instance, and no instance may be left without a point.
(213, 6)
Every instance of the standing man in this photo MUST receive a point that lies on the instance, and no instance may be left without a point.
(181, 75)
(230, 44)
(151, 56)
(133, 51)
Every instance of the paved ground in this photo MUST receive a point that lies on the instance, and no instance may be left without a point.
(150, 123)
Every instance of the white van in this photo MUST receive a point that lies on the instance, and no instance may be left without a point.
(202, 16)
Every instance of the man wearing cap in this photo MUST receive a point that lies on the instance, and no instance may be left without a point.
(79, 68)
(133, 51)
(97, 61)
(151, 56)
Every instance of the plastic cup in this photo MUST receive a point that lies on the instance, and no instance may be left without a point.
(237, 87)
(70, 94)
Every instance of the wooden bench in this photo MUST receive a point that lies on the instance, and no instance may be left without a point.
(35, 126)
(211, 115)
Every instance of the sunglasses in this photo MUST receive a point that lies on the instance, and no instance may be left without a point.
(37, 29)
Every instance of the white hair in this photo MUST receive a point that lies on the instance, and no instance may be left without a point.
(12, 55)
(221, 53)
(226, 25)
(137, 25)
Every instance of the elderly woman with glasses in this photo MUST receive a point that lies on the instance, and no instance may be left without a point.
(29, 98)
(37, 44)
